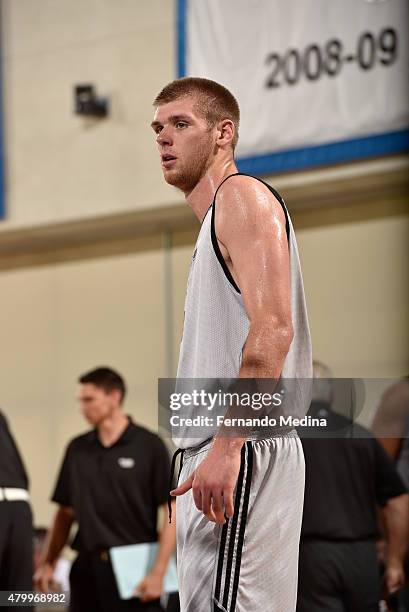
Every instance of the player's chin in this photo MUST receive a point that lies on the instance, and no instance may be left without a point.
(172, 177)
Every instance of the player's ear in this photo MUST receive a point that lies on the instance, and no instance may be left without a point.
(226, 132)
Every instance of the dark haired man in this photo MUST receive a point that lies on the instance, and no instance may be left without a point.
(112, 482)
(245, 317)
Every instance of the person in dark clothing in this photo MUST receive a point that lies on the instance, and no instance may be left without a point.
(112, 482)
(391, 425)
(348, 476)
(391, 429)
(16, 530)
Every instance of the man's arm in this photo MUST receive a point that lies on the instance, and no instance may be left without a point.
(56, 540)
(251, 230)
(152, 585)
(395, 516)
(391, 417)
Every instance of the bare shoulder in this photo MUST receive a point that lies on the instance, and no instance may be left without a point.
(247, 209)
(245, 199)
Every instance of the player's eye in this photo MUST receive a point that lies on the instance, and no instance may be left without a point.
(158, 129)
(181, 124)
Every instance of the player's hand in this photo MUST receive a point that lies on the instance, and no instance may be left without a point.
(394, 576)
(214, 481)
(151, 587)
(44, 578)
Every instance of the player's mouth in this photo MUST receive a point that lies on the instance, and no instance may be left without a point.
(168, 160)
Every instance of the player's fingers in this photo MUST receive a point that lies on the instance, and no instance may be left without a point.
(206, 502)
(208, 509)
(184, 487)
(218, 508)
(197, 496)
(228, 502)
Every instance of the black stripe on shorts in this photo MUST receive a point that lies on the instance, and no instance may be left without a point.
(232, 538)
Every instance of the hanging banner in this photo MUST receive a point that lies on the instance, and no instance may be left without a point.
(318, 81)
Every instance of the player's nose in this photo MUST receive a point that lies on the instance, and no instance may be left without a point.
(164, 137)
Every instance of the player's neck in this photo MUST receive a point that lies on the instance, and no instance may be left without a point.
(112, 428)
(201, 196)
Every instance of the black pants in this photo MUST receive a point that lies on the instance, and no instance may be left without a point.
(173, 603)
(93, 589)
(338, 577)
(16, 547)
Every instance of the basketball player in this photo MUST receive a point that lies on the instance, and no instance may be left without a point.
(239, 501)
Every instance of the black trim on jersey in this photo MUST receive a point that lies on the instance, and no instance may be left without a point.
(202, 221)
(216, 244)
(213, 230)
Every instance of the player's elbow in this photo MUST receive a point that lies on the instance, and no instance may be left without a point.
(270, 342)
(282, 334)
(287, 334)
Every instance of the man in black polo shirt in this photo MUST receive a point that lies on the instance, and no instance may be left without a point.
(16, 531)
(112, 482)
(348, 476)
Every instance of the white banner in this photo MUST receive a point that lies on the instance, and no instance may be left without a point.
(306, 73)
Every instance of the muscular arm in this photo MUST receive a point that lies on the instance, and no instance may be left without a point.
(395, 516)
(56, 540)
(251, 232)
(250, 226)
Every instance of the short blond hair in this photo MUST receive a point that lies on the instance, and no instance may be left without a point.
(214, 101)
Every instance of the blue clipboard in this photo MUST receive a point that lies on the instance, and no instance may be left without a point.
(132, 563)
